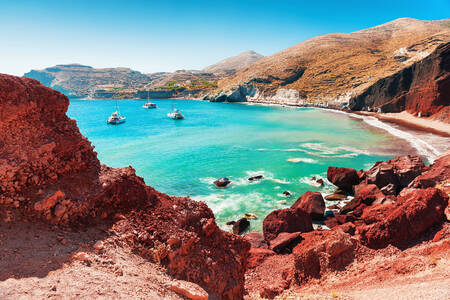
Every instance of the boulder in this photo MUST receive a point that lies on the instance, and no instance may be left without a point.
(351, 205)
(285, 242)
(412, 214)
(321, 251)
(312, 203)
(240, 226)
(287, 193)
(388, 189)
(257, 177)
(343, 178)
(256, 240)
(188, 289)
(222, 182)
(376, 213)
(437, 174)
(368, 193)
(286, 220)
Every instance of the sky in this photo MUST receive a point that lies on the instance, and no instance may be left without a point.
(152, 36)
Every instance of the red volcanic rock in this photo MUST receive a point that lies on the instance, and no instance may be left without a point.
(398, 172)
(286, 220)
(256, 256)
(413, 214)
(322, 251)
(53, 172)
(240, 226)
(369, 193)
(437, 174)
(312, 203)
(343, 178)
(376, 213)
(285, 242)
(351, 205)
(256, 240)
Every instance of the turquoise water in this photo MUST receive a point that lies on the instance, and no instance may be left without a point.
(284, 144)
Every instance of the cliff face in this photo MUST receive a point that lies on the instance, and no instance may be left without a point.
(50, 173)
(422, 87)
(336, 67)
(82, 81)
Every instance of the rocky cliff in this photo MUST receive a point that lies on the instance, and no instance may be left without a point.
(82, 81)
(337, 67)
(422, 87)
(50, 174)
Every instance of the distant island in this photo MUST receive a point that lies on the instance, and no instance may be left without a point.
(76, 80)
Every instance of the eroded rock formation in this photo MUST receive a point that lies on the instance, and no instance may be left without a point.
(49, 172)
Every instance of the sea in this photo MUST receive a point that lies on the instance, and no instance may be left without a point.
(291, 147)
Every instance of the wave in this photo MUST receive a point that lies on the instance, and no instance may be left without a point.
(302, 159)
(422, 147)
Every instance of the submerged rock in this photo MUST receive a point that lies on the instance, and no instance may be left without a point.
(240, 226)
(222, 182)
(287, 193)
(257, 177)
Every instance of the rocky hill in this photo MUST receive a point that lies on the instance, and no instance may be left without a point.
(233, 64)
(337, 67)
(82, 81)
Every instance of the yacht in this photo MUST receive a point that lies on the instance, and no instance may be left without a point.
(115, 117)
(175, 115)
(149, 104)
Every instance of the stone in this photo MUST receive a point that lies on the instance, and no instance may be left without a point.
(188, 289)
(256, 240)
(343, 178)
(286, 220)
(285, 242)
(240, 226)
(49, 202)
(368, 193)
(287, 193)
(256, 256)
(335, 197)
(411, 215)
(257, 177)
(312, 203)
(222, 182)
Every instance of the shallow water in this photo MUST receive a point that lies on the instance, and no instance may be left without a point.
(287, 145)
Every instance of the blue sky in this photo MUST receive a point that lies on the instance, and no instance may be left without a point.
(151, 36)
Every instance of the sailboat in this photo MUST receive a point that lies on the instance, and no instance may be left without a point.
(149, 104)
(115, 117)
(176, 114)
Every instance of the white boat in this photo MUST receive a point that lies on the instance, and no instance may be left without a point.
(175, 115)
(115, 117)
(149, 104)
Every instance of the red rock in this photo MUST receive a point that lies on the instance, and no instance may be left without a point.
(256, 256)
(286, 220)
(42, 151)
(335, 196)
(369, 193)
(343, 178)
(331, 222)
(344, 218)
(312, 203)
(256, 240)
(285, 242)
(188, 289)
(351, 205)
(322, 251)
(376, 213)
(437, 174)
(413, 214)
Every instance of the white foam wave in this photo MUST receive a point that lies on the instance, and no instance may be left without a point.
(302, 159)
(422, 147)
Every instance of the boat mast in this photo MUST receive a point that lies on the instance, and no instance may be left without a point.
(117, 107)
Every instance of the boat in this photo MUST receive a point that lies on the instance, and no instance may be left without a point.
(149, 104)
(115, 117)
(175, 115)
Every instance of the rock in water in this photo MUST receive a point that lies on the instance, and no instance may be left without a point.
(222, 182)
(257, 177)
(287, 193)
(240, 226)
(312, 203)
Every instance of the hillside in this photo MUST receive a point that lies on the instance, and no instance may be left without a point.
(233, 64)
(82, 81)
(336, 67)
